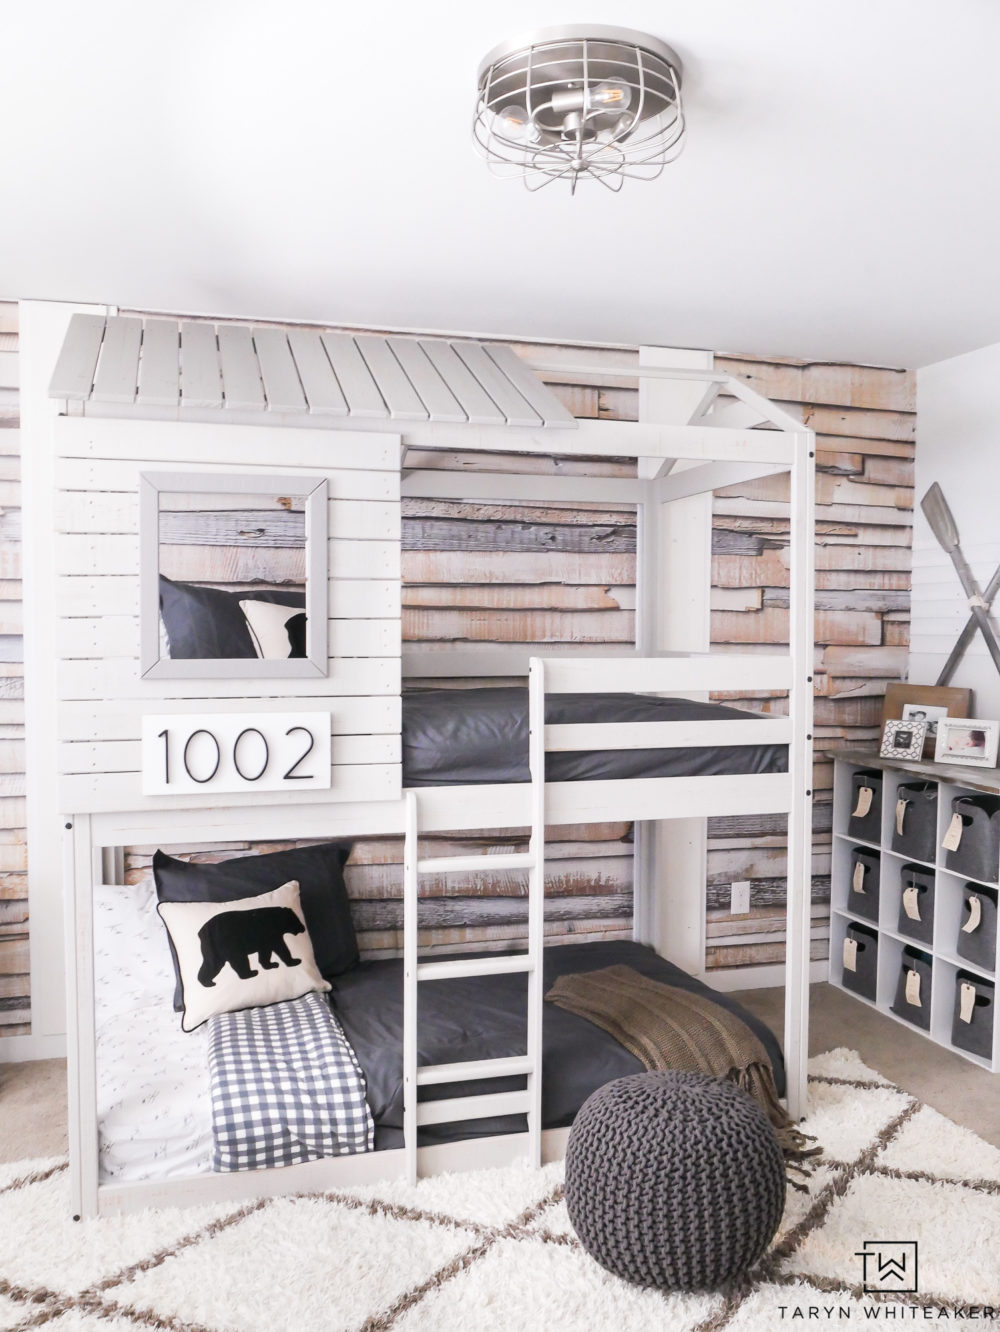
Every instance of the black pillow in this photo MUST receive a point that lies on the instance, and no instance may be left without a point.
(207, 623)
(320, 873)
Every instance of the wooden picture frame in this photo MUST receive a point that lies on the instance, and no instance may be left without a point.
(956, 702)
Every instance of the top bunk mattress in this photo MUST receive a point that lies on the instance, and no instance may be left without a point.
(472, 737)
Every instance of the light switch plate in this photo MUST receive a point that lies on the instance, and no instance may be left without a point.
(739, 902)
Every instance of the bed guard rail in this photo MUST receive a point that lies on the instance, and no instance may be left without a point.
(659, 675)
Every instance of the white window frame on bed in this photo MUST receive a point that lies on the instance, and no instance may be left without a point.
(711, 446)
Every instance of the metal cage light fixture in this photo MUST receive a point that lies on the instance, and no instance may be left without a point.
(584, 102)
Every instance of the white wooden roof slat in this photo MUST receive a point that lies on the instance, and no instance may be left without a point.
(240, 371)
(438, 399)
(281, 379)
(497, 385)
(477, 404)
(73, 376)
(316, 373)
(118, 367)
(159, 364)
(359, 388)
(201, 384)
(400, 395)
(530, 387)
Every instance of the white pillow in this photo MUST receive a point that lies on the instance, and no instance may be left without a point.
(268, 625)
(242, 954)
(132, 964)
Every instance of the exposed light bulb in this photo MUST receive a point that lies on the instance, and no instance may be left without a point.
(513, 122)
(614, 95)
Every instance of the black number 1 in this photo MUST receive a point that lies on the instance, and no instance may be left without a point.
(291, 775)
(165, 737)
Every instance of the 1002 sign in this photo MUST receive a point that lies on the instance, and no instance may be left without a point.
(271, 751)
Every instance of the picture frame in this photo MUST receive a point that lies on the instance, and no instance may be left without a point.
(970, 740)
(903, 739)
(905, 701)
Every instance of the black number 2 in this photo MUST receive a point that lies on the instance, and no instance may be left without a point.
(291, 775)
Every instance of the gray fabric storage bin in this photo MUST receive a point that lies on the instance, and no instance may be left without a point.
(922, 879)
(978, 853)
(919, 826)
(864, 903)
(975, 1036)
(979, 945)
(866, 827)
(919, 1014)
(862, 980)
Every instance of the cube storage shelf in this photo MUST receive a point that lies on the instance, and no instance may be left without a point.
(920, 932)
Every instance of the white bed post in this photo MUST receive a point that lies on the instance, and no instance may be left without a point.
(536, 904)
(800, 765)
(410, 955)
(674, 563)
(82, 864)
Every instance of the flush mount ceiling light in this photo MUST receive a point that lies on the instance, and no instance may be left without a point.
(580, 103)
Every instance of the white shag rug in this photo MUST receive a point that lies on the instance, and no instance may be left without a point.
(495, 1250)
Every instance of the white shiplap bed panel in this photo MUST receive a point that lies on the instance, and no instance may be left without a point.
(102, 694)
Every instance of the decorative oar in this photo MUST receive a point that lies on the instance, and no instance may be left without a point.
(942, 524)
(968, 633)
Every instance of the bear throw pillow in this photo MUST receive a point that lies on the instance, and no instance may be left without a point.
(241, 954)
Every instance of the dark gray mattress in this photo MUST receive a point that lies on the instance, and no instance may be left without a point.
(466, 737)
(484, 1017)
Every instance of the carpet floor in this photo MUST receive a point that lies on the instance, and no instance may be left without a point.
(495, 1250)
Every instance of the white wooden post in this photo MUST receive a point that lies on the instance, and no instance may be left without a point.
(42, 327)
(82, 868)
(674, 565)
(800, 766)
(536, 904)
(411, 899)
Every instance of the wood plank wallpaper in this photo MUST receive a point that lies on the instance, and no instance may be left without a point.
(15, 1014)
(543, 574)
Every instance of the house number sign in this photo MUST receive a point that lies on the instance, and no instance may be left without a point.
(230, 751)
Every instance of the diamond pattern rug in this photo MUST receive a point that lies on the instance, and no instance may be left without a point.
(495, 1250)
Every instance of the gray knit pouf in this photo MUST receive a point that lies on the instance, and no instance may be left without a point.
(674, 1180)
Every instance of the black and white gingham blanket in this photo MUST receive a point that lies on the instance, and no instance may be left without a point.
(286, 1087)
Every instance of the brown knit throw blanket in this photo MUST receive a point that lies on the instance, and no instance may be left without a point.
(665, 1027)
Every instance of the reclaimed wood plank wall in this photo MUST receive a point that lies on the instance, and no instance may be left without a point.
(15, 1014)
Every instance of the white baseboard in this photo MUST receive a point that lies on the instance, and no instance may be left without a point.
(759, 978)
(21, 1049)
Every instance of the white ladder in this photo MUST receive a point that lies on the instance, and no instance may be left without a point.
(529, 1101)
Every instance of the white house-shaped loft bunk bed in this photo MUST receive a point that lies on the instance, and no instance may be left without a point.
(148, 406)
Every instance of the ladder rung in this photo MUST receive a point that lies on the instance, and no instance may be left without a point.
(473, 1107)
(469, 1069)
(459, 968)
(462, 864)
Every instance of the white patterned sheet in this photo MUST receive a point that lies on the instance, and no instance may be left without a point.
(153, 1098)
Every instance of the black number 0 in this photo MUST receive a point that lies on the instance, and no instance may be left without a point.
(218, 756)
(250, 730)
(291, 775)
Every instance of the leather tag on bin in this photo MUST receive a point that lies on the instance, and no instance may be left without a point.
(913, 988)
(900, 815)
(975, 916)
(858, 879)
(967, 1001)
(864, 803)
(953, 836)
(911, 902)
(850, 954)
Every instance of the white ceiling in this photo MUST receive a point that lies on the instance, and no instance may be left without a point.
(838, 198)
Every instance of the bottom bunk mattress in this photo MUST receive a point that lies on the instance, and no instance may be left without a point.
(485, 1017)
(471, 737)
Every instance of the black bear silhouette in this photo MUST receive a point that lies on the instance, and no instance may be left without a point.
(234, 936)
